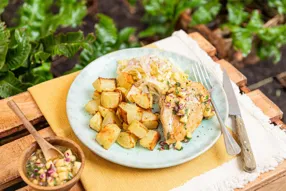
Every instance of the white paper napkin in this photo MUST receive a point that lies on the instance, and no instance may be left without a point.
(268, 142)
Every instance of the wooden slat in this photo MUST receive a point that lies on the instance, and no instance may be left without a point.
(203, 43)
(9, 122)
(77, 187)
(267, 178)
(10, 154)
(235, 75)
(266, 105)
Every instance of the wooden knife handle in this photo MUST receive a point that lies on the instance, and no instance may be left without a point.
(248, 160)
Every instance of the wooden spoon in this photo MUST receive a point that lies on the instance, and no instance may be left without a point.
(50, 152)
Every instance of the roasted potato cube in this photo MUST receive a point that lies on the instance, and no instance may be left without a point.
(108, 135)
(92, 106)
(143, 100)
(129, 112)
(119, 116)
(103, 111)
(110, 100)
(149, 116)
(96, 95)
(125, 126)
(104, 84)
(127, 140)
(124, 80)
(95, 122)
(150, 124)
(150, 140)
(133, 91)
(123, 92)
(111, 118)
(138, 129)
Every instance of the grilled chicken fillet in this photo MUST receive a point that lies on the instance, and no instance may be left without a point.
(182, 109)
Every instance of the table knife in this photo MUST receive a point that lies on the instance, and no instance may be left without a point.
(248, 160)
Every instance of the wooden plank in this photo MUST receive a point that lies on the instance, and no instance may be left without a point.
(203, 43)
(13, 150)
(267, 178)
(277, 185)
(77, 187)
(9, 122)
(235, 75)
(266, 105)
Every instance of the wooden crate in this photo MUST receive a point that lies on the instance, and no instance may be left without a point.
(14, 138)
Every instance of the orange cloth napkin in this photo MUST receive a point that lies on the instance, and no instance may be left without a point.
(100, 174)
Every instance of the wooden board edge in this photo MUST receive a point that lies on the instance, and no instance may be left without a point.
(203, 43)
(77, 187)
(266, 178)
(266, 105)
(235, 75)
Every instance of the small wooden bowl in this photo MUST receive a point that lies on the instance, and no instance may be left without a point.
(54, 141)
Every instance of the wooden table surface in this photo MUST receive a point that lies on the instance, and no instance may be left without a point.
(14, 138)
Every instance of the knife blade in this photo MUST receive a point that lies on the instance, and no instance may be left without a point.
(248, 160)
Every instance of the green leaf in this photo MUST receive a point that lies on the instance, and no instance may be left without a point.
(10, 85)
(18, 55)
(105, 30)
(41, 56)
(4, 44)
(125, 34)
(269, 51)
(206, 13)
(63, 44)
(39, 21)
(153, 30)
(3, 4)
(34, 15)
(71, 13)
(242, 40)
(275, 34)
(236, 13)
(255, 22)
(280, 5)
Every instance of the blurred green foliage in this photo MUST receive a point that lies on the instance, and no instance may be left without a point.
(162, 17)
(28, 50)
(108, 39)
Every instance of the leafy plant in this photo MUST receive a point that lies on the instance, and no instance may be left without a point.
(27, 51)
(162, 15)
(39, 21)
(246, 25)
(108, 39)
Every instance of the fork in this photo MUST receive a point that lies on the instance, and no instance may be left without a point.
(201, 75)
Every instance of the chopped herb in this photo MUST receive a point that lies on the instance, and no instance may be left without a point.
(177, 91)
(180, 149)
(70, 176)
(168, 83)
(207, 98)
(55, 182)
(178, 84)
(166, 147)
(174, 112)
(187, 111)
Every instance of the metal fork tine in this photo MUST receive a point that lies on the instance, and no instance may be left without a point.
(199, 75)
(194, 72)
(203, 77)
(207, 76)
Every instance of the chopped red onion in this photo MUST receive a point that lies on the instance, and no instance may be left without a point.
(42, 176)
(67, 159)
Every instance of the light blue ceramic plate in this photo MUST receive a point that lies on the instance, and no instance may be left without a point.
(81, 92)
